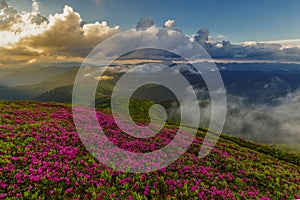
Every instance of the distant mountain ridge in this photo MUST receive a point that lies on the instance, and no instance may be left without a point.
(240, 79)
(28, 76)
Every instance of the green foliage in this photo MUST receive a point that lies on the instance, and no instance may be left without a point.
(42, 157)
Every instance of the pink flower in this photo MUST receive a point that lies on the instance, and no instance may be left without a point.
(3, 185)
(69, 190)
(112, 195)
(146, 191)
(201, 195)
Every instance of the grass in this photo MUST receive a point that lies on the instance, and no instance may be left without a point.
(42, 157)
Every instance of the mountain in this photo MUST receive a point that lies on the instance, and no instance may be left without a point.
(152, 54)
(256, 83)
(28, 76)
(61, 94)
(42, 157)
(260, 97)
(26, 92)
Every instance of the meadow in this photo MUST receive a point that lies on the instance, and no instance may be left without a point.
(42, 157)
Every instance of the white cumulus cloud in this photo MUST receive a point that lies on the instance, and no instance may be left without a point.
(169, 23)
(60, 34)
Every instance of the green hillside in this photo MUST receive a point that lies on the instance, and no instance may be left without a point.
(42, 157)
(31, 91)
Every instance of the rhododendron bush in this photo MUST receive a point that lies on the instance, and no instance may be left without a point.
(42, 157)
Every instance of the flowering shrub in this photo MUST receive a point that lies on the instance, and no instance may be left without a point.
(42, 157)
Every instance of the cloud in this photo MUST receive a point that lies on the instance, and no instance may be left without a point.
(35, 6)
(32, 61)
(249, 50)
(202, 36)
(3, 4)
(145, 23)
(263, 123)
(266, 123)
(220, 37)
(154, 37)
(61, 34)
(285, 44)
(169, 23)
(8, 16)
(65, 35)
(218, 50)
(104, 78)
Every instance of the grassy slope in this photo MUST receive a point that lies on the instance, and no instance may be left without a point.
(34, 136)
(55, 82)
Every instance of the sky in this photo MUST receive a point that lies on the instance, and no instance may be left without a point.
(40, 31)
(238, 20)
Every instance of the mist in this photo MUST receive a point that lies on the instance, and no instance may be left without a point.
(264, 123)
